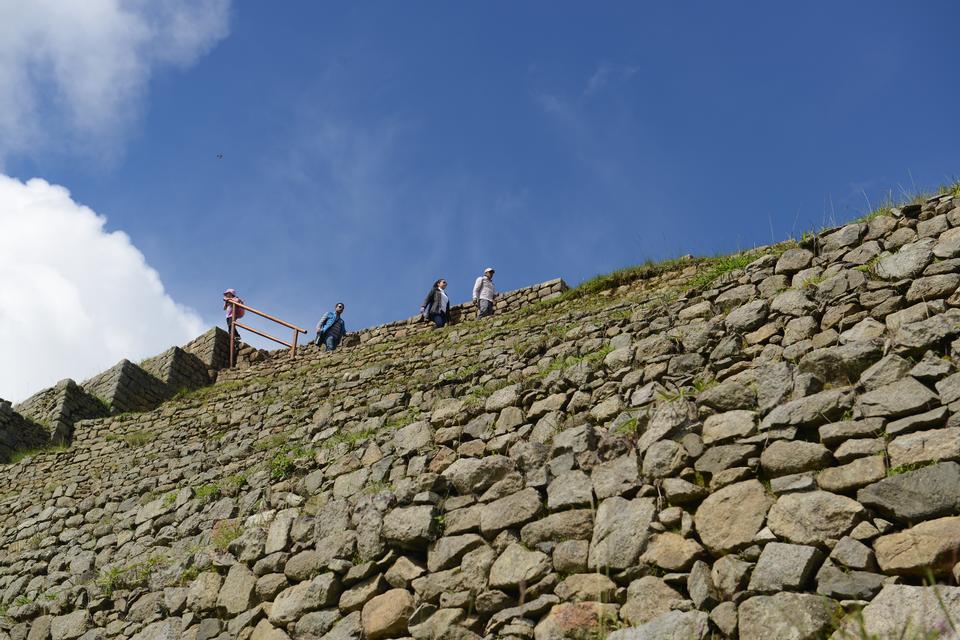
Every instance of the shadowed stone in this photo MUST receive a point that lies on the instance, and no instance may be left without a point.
(920, 494)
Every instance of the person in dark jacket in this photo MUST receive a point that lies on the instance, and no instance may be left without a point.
(436, 306)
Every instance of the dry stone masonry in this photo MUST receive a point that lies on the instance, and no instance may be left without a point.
(59, 407)
(18, 433)
(48, 417)
(763, 446)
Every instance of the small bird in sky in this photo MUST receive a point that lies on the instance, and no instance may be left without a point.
(219, 156)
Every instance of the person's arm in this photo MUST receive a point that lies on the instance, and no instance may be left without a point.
(428, 301)
(322, 325)
(476, 288)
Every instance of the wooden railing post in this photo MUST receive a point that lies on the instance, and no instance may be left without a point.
(233, 331)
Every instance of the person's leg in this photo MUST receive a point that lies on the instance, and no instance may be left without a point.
(486, 308)
(236, 333)
(438, 320)
(330, 343)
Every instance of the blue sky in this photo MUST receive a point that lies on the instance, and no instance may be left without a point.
(369, 148)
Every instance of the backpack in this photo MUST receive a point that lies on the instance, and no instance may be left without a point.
(238, 311)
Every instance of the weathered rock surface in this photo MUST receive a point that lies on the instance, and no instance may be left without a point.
(675, 625)
(814, 517)
(784, 567)
(791, 616)
(929, 492)
(385, 616)
(929, 546)
(713, 449)
(922, 611)
(731, 517)
(620, 532)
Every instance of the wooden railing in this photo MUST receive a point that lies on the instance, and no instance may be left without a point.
(233, 331)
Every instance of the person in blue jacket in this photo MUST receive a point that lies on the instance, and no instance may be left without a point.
(331, 328)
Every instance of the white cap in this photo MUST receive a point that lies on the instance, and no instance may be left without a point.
(488, 270)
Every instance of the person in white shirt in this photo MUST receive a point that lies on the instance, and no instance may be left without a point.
(484, 293)
(436, 306)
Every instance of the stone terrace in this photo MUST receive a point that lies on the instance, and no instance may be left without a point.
(764, 446)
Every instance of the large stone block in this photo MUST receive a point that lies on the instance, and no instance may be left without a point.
(178, 369)
(126, 387)
(17, 433)
(58, 408)
(212, 348)
(921, 612)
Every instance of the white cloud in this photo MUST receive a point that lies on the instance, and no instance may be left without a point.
(606, 73)
(76, 72)
(74, 298)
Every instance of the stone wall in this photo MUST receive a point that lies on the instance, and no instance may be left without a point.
(127, 387)
(18, 433)
(508, 301)
(764, 446)
(178, 370)
(59, 407)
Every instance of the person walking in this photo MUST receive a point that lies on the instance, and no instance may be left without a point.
(331, 328)
(233, 312)
(484, 293)
(436, 306)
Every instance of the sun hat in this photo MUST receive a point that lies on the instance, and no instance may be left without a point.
(230, 291)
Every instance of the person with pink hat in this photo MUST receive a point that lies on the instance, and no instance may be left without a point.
(233, 312)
